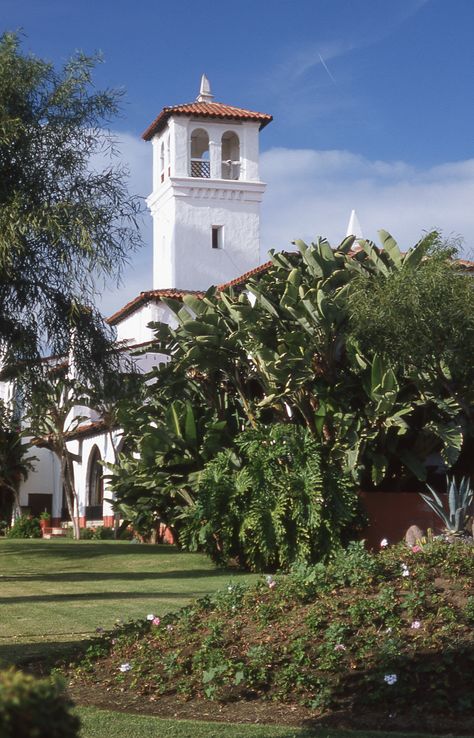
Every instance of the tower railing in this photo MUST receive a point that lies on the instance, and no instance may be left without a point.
(200, 168)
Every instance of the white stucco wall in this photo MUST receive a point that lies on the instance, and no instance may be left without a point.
(134, 327)
(6, 392)
(45, 479)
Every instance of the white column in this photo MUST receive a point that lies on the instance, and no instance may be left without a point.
(215, 155)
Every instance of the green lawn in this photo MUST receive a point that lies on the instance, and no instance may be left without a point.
(56, 593)
(103, 723)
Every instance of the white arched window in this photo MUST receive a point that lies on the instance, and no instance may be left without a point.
(200, 163)
(230, 156)
(168, 156)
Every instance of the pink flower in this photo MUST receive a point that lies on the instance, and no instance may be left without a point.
(416, 549)
(339, 647)
(156, 621)
(272, 585)
(383, 543)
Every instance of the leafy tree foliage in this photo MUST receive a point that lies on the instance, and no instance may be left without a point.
(421, 320)
(270, 502)
(66, 218)
(166, 443)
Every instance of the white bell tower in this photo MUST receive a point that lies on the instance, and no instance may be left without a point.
(206, 194)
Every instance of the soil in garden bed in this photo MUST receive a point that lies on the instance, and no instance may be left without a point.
(263, 712)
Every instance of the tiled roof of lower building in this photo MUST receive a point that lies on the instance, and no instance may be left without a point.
(148, 296)
(83, 431)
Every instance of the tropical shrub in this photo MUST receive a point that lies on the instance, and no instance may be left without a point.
(35, 708)
(270, 502)
(25, 527)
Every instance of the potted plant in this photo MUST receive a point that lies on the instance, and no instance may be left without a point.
(44, 520)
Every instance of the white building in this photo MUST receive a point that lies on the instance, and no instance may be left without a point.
(205, 206)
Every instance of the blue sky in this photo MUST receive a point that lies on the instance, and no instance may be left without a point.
(372, 100)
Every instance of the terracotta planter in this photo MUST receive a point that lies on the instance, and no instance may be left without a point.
(44, 524)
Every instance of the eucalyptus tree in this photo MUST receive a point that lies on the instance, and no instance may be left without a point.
(66, 217)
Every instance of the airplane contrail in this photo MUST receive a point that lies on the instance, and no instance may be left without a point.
(326, 68)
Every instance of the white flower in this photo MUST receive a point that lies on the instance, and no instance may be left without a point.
(230, 588)
(405, 571)
(150, 616)
(339, 647)
(390, 678)
(383, 543)
(125, 667)
(415, 625)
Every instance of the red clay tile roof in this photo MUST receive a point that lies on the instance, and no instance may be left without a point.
(83, 431)
(244, 278)
(148, 296)
(465, 264)
(157, 295)
(205, 110)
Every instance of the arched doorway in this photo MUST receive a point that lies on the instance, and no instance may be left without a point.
(95, 486)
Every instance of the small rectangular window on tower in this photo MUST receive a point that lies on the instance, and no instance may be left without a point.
(217, 237)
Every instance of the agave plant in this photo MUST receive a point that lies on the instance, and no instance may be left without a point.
(460, 498)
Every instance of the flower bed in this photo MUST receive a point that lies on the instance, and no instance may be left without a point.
(389, 633)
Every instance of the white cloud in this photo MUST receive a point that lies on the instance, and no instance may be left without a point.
(312, 193)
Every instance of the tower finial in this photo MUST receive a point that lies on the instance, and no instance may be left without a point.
(205, 94)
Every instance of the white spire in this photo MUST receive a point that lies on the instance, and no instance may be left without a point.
(205, 94)
(353, 227)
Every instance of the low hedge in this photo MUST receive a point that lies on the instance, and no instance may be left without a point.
(35, 708)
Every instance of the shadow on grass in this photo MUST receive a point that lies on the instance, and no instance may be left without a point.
(86, 549)
(82, 576)
(80, 596)
(41, 656)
